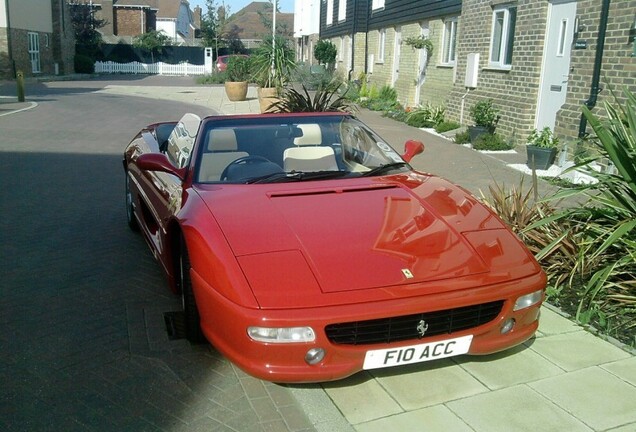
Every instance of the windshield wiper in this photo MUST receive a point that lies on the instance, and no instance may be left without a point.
(384, 168)
(296, 176)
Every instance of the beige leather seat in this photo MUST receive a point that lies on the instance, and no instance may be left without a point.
(308, 154)
(222, 149)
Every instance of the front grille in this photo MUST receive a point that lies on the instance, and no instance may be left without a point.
(385, 330)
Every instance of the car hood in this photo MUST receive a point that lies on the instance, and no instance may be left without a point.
(298, 244)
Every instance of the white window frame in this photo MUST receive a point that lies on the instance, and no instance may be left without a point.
(381, 45)
(34, 51)
(377, 4)
(502, 36)
(330, 12)
(342, 10)
(449, 42)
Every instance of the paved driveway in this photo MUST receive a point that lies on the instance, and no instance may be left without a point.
(83, 342)
(84, 346)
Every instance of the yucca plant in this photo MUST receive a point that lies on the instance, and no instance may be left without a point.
(326, 98)
(604, 273)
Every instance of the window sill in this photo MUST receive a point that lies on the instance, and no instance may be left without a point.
(494, 68)
(445, 65)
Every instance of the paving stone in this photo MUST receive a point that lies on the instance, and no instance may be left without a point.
(361, 399)
(518, 409)
(551, 323)
(593, 395)
(508, 368)
(623, 369)
(436, 418)
(428, 384)
(577, 350)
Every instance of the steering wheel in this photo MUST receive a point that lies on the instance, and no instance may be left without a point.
(245, 160)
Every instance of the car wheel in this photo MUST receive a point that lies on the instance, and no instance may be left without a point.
(191, 313)
(130, 216)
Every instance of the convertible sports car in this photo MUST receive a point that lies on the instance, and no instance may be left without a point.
(306, 249)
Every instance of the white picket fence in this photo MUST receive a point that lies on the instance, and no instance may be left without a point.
(159, 68)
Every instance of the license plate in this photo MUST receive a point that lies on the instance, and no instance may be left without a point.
(417, 353)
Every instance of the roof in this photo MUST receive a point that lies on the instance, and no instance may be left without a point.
(249, 24)
(170, 8)
(136, 3)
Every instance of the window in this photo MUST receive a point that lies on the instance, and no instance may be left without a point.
(563, 28)
(450, 41)
(503, 36)
(377, 4)
(381, 41)
(329, 12)
(34, 52)
(342, 10)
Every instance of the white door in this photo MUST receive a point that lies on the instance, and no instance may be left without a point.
(396, 55)
(34, 52)
(421, 65)
(556, 62)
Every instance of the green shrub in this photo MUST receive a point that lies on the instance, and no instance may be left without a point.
(425, 117)
(491, 142)
(462, 137)
(388, 93)
(84, 64)
(238, 69)
(213, 78)
(446, 126)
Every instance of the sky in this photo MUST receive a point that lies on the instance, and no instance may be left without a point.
(237, 5)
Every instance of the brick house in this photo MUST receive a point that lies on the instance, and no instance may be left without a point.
(125, 18)
(535, 58)
(370, 35)
(35, 38)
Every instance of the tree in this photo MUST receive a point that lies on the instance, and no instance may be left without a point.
(212, 26)
(85, 26)
(325, 52)
(152, 41)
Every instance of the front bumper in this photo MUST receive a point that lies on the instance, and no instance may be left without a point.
(225, 325)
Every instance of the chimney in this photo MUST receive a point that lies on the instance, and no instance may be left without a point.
(197, 17)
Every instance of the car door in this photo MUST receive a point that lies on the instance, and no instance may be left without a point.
(164, 190)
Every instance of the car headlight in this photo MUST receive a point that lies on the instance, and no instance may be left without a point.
(281, 334)
(528, 300)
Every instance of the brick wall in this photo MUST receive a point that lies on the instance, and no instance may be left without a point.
(128, 21)
(513, 91)
(6, 67)
(619, 65)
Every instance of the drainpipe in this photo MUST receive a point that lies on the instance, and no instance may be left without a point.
(353, 39)
(9, 49)
(366, 39)
(598, 63)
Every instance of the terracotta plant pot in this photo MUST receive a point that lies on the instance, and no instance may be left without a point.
(236, 90)
(266, 97)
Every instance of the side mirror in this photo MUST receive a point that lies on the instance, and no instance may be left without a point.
(159, 162)
(411, 149)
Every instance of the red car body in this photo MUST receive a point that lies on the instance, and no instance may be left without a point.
(314, 280)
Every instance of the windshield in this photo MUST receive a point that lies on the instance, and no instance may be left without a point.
(281, 149)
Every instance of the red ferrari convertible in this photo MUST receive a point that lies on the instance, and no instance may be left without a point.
(306, 249)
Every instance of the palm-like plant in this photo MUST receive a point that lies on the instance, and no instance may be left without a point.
(273, 63)
(326, 98)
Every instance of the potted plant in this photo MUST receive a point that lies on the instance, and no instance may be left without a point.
(237, 73)
(273, 64)
(485, 118)
(541, 148)
(420, 42)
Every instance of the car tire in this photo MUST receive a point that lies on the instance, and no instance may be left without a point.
(130, 215)
(191, 312)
